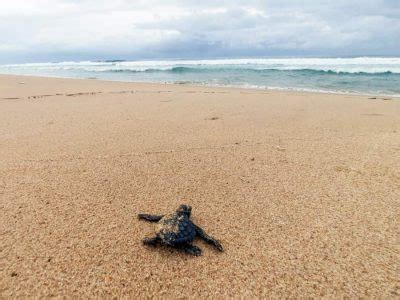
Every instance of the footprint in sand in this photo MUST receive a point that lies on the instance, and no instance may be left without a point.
(39, 96)
(375, 98)
(213, 118)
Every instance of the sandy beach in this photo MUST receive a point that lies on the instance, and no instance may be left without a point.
(302, 190)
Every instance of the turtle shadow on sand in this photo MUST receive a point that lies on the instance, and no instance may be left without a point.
(178, 231)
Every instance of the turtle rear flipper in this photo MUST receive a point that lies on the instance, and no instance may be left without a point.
(153, 241)
(192, 249)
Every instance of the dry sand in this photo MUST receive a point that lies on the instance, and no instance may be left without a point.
(303, 190)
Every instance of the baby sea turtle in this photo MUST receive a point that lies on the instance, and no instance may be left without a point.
(177, 230)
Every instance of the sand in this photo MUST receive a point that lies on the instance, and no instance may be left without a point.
(302, 190)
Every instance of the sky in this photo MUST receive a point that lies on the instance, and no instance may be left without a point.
(65, 30)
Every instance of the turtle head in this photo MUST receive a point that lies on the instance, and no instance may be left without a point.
(184, 209)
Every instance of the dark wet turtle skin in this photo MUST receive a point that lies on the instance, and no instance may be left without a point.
(177, 230)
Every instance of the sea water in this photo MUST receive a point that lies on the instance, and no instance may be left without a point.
(360, 75)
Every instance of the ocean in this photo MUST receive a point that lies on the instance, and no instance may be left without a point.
(360, 75)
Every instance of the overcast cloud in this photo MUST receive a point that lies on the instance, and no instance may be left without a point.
(56, 30)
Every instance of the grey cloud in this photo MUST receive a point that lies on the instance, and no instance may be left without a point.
(71, 29)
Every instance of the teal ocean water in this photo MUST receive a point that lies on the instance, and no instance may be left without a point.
(361, 75)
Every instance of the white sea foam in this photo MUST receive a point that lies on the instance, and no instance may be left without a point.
(365, 75)
(340, 65)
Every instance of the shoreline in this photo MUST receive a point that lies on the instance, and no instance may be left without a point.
(290, 90)
(301, 189)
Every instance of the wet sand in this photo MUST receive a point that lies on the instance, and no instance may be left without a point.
(302, 189)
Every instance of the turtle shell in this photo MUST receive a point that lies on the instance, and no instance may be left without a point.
(176, 229)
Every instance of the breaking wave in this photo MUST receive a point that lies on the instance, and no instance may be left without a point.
(377, 75)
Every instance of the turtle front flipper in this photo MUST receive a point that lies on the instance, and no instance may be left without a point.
(150, 218)
(192, 249)
(200, 232)
(153, 241)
